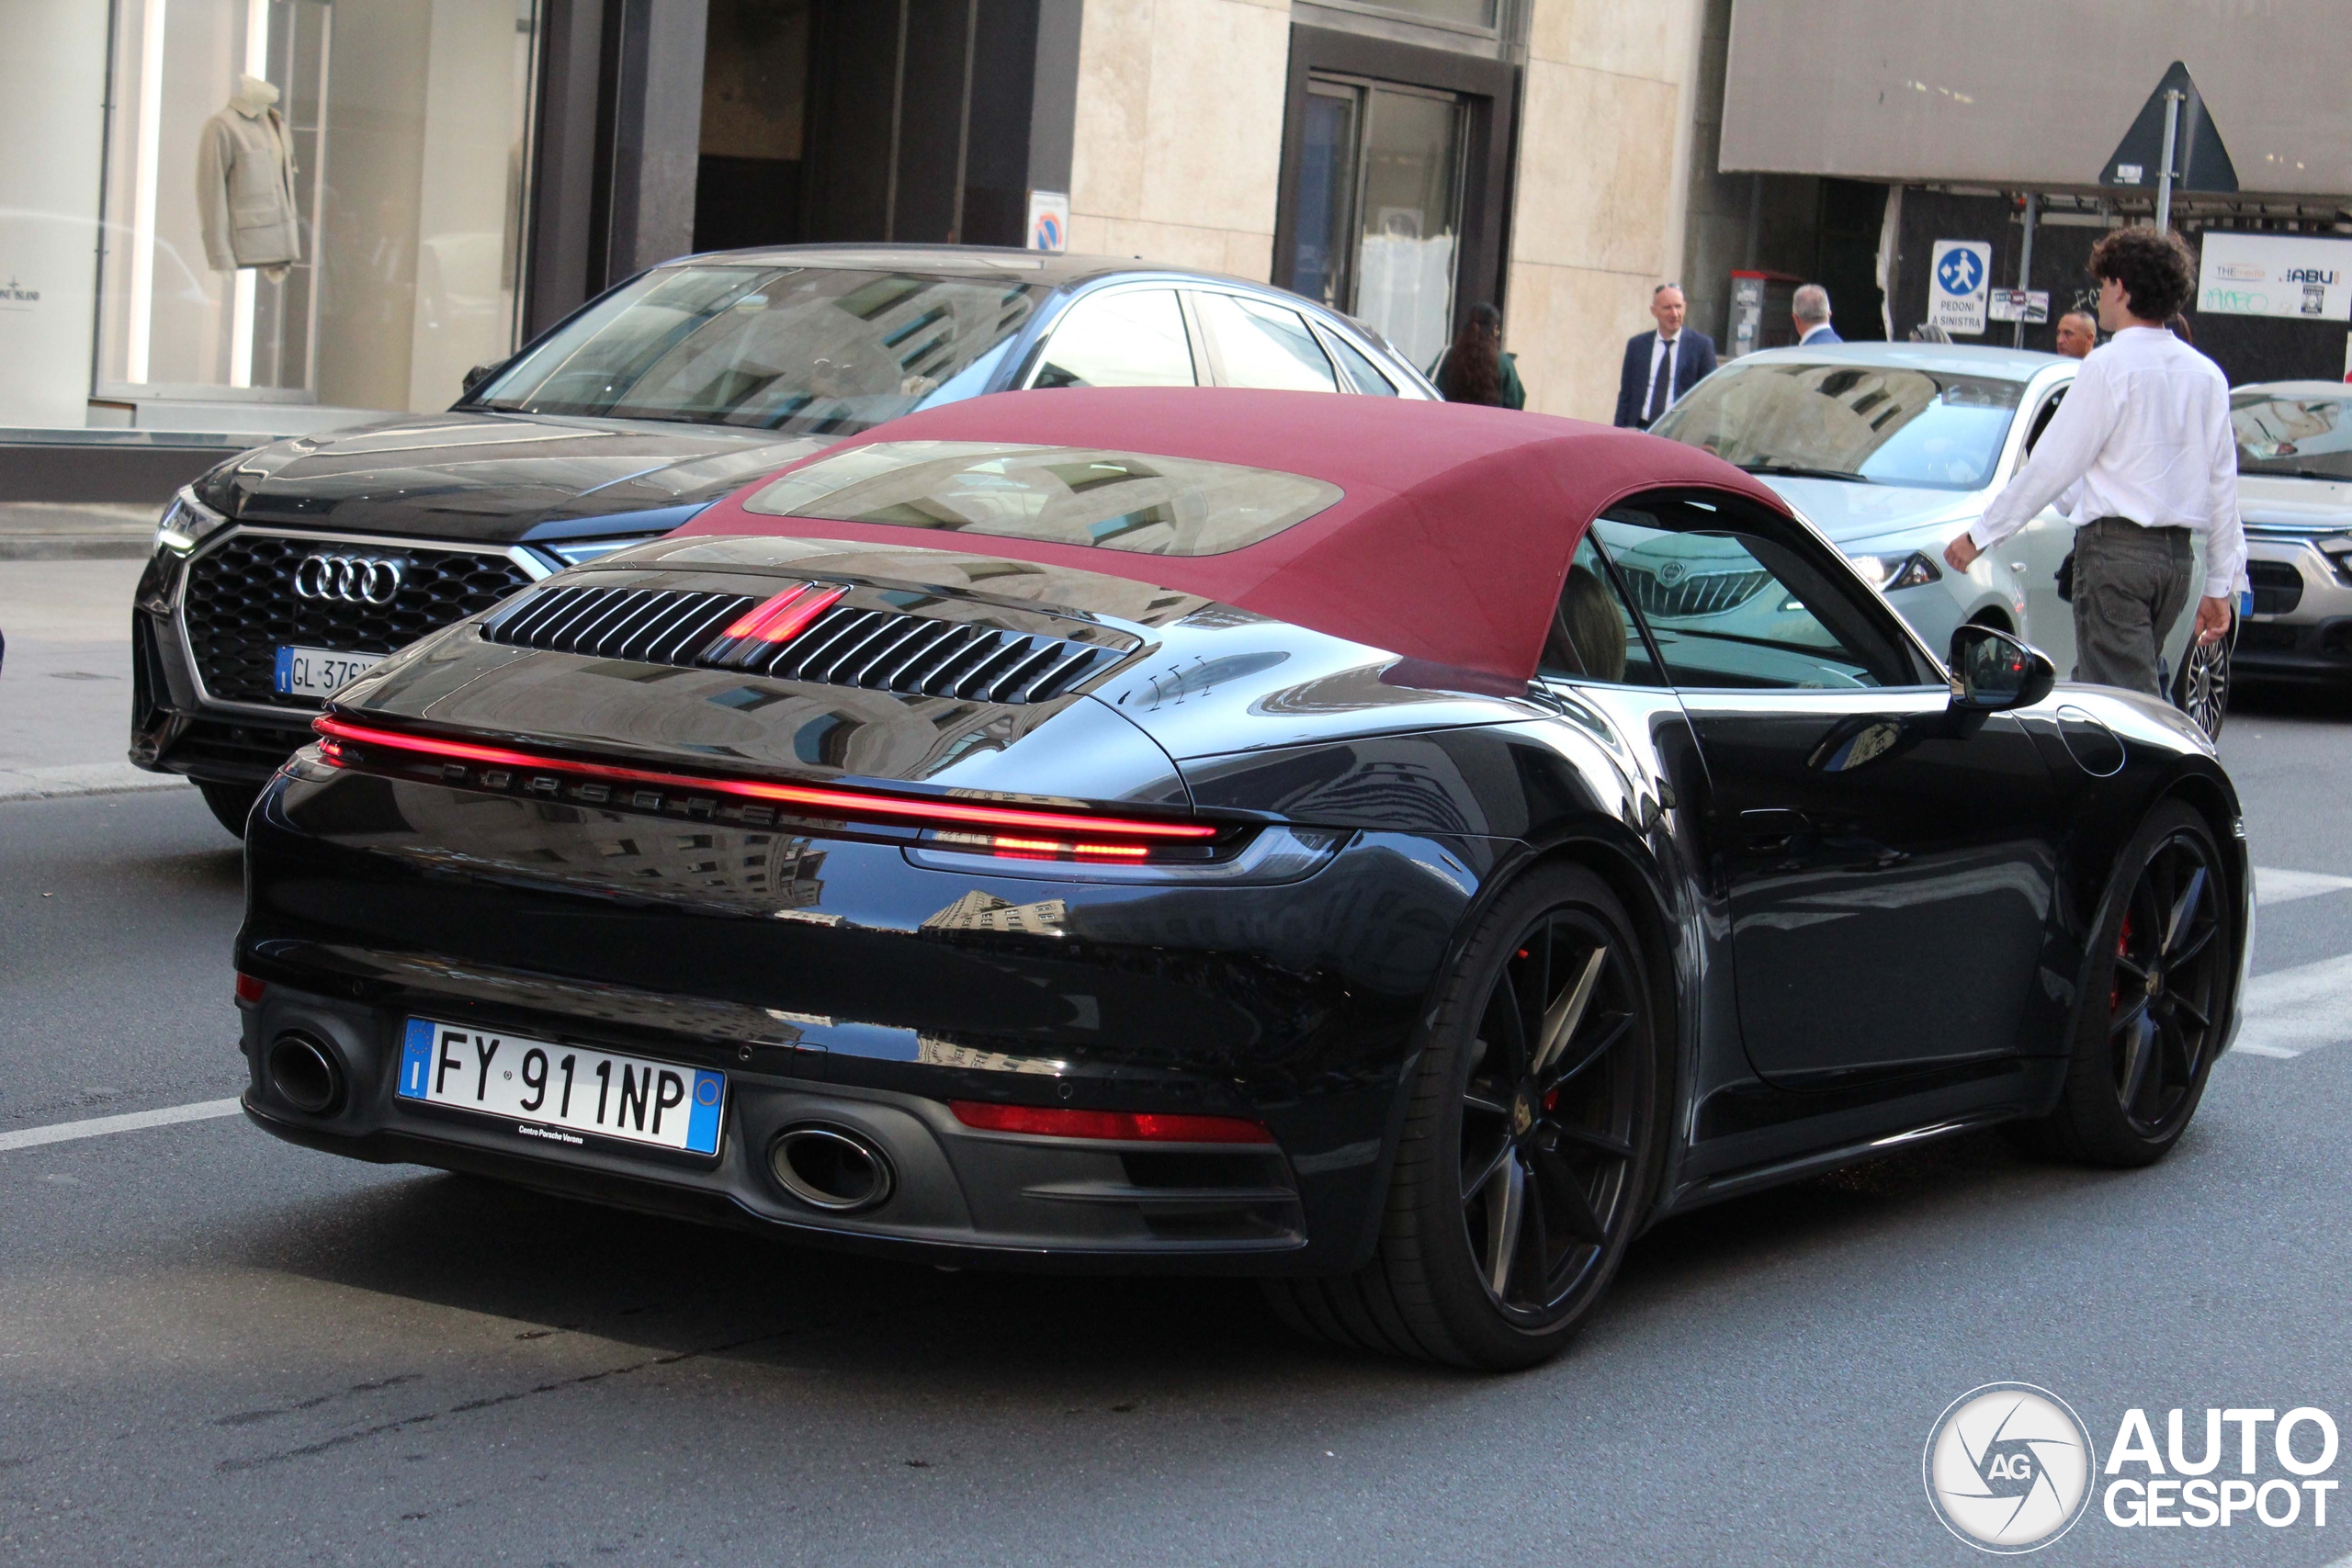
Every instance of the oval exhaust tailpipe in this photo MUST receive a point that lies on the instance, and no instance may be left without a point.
(830, 1168)
(304, 1072)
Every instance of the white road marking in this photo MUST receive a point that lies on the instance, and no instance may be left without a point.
(2274, 885)
(99, 1127)
(2289, 1011)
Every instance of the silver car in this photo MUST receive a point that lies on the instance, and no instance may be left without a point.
(2295, 493)
(1892, 449)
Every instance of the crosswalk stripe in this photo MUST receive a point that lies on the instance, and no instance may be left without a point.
(99, 1127)
(2274, 884)
(2289, 1011)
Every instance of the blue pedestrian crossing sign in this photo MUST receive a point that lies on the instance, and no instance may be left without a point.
(1960, 273)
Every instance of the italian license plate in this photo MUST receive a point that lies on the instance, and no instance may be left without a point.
(562, 1094)
(319, 671)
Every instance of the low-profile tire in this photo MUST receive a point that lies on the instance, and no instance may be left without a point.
(2153, 1001)
(1531, 1148)
(2201, 689)
(230, 803)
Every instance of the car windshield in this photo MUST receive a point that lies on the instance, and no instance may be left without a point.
(1884, 424)
(1064, 495)
(2303, 434)
(820, 350)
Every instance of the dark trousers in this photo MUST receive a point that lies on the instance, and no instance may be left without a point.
(2131, 585)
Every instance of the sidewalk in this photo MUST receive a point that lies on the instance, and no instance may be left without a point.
(41, 530)
(65, 684)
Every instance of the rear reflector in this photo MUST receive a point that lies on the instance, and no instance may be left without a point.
(248, 989)
(807, 800)
(1124, 1126)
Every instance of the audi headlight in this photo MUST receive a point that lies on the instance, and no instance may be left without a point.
(186, 522)
(577, 550)
(1889, 573)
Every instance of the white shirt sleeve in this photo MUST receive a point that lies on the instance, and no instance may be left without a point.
(2067, 448)
(2225, 530)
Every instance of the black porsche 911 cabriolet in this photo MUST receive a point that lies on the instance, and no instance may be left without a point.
(1397, 850)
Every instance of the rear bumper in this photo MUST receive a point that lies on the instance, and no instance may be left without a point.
(959, 1195)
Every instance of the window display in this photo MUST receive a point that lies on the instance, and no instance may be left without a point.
(314, 202)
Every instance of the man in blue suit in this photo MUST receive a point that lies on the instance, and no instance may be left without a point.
(1663, 365)
(1809, 311)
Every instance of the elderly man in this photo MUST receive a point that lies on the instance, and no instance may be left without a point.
(2143, 448)
(1809, 308)
(2077, 334)
(1662, 366)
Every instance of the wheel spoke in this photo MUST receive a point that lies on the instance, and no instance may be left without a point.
(2140, 1056)
(2191, 948)
(1514, 1039)
(1478, 1183)
(1485, 1104)
(1561, 1018)
(1506, 1206)
(1566, 1197)
(1605, 1142)
(2183, 910)
(2183, 1005)
(2130, 1015)
(1587, 1055)
(2132, 969)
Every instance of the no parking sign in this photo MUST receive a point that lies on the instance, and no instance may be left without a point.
(1959, 280)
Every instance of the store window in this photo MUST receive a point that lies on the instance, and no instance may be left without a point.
(313, 202)
(1379, 208)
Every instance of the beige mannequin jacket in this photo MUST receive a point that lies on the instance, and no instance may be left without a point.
(244, 190)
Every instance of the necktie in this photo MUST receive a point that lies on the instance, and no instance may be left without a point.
(1663, 365)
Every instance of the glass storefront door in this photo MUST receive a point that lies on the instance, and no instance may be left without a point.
(1380, 209)
(312, 200)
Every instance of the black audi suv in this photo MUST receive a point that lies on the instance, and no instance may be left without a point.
(292, 568)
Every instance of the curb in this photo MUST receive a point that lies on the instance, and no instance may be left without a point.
(82, 779)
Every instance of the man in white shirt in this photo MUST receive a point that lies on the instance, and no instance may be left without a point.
(2143, 443)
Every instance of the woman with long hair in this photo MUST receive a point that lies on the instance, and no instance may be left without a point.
(1475, 369)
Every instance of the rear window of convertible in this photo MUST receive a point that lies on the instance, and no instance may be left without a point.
(1063, 495)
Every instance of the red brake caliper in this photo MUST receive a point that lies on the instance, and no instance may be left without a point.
(2122, 940)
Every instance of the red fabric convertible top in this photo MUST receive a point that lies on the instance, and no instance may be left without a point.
(1451, 544)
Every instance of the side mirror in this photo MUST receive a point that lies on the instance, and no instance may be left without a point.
(478, 375)
(1992, 671)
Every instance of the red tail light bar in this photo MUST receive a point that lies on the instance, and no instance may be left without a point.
(1125, 1126)
(808, 800)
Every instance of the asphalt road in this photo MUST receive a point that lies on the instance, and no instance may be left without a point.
(218, 1348)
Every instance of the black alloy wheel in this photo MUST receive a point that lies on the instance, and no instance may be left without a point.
(1528, 1154)
(2155, 1004)
(2201, 689)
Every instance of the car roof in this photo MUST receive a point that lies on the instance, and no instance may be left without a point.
(2298, 389)
(1051, 268)
(1949, 359)
(1449, 544)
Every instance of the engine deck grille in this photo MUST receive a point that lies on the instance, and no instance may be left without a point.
(241, 607)
(879, 650)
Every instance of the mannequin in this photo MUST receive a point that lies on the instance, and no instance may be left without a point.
(244, 184)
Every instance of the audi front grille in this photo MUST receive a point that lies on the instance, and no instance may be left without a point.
(243, 604)
(882, 649)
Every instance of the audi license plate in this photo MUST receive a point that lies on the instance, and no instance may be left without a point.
(319, 671)
(562, 1094)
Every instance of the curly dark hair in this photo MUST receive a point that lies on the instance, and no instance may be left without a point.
(1473, 371)
(2153, 268)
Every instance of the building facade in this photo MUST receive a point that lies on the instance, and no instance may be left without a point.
(459, 175)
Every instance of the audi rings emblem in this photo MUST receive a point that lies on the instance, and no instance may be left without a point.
(355, 580)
